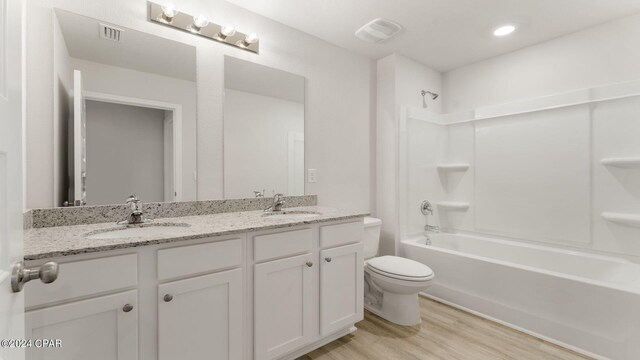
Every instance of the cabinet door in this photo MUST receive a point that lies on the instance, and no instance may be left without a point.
(201, 318)
(282, 306)
(341, 287)
(103, 328)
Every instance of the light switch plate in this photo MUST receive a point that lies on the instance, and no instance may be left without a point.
(312, 176)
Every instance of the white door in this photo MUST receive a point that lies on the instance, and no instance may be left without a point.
(103, 328)
(79, 141)
(282, 306)
(201, 318)
(341, 287)
(11, 304)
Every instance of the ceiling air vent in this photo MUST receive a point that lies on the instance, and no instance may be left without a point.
(378, 30)
(112, 33)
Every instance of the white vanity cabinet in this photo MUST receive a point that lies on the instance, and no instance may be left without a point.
(77, 310)
(283, 301)
(273, 294)
(341, 287)
(302, 292)
(201, 317)
(105, 327)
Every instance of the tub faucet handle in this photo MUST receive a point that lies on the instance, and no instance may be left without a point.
(426, 208)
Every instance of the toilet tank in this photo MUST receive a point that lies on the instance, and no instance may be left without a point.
(372, 228)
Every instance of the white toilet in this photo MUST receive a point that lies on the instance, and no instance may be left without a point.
(392, 283)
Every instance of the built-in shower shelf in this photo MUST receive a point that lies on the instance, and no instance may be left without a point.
(624, 219)
(622, 162)
(453, 205)
(453, 167)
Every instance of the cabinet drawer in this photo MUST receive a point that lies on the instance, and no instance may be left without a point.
(201, 258)
(341, 234)
(84, 278)
(282, 244)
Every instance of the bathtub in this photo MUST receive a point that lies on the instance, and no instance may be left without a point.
(587, 303)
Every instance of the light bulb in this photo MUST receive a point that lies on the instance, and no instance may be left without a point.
(168, 13)
(251, 38)
(228, 31)
(248, 40)
(200, 21)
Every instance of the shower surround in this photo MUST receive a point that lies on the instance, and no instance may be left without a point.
(539, 202)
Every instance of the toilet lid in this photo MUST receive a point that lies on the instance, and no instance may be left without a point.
(398, 266)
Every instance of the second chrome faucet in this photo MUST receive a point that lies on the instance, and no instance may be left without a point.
(278, 202)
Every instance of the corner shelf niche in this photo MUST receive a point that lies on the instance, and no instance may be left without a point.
(623, 219)
(453, 167)
(453, 205)
(622, 162)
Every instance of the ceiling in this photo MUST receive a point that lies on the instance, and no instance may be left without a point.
(138, 50)
(443, 34)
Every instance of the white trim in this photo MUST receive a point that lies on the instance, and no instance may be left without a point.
(78, 110)
(154, 104)
(293, 137)
(515, 327)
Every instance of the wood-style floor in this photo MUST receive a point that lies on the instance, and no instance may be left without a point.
(445, 333)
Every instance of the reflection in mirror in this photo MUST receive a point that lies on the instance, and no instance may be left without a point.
(124, 114)
(263, 131)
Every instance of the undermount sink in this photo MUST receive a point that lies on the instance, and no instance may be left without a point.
(160, 229)
(291, 215)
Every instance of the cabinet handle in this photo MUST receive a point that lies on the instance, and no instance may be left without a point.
(127, 308)
(327, 259)
(168, 297)
(309, 264)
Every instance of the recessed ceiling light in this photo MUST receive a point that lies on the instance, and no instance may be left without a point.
(504, 30)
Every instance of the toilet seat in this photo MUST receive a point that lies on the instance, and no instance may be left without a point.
(400, 268)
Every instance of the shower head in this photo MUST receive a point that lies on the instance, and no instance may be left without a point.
(433, 95)
(424, 93)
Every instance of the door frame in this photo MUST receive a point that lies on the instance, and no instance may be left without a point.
(176, 109)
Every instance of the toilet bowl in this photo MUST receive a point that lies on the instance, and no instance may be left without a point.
(392, 283)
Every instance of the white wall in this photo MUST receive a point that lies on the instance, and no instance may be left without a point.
(413, 77)
(125, 153)
(126, 82)
(597, 56)
(337, 96)
(256, 130)
(399, 82)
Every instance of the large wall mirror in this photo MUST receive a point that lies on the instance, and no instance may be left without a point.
(263, 130)
(124, 114)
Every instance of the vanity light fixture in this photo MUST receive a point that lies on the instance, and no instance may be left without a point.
(200, 25)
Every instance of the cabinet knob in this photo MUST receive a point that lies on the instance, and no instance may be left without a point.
(168, 297)
(127, 308)
(309, 264)
(327, 259)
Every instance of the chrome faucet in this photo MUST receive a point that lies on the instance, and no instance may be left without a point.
(432, 228)
(278, 201)
(136, 215)
(427, 209)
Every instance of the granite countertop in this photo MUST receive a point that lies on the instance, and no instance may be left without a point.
(42, 243)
